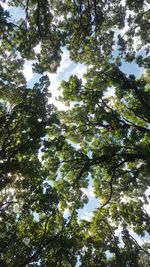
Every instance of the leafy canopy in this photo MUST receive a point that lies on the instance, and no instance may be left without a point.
(48, 158)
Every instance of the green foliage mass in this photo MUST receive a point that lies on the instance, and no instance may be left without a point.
(48, 158)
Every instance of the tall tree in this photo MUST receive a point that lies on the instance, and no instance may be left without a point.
(48, 158)
(112, 134)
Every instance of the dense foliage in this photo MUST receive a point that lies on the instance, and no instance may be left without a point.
(49, 157)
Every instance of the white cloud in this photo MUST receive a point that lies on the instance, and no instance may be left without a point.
(37, 48)
(5, 5)
(89, 192)
(110, 92)
(66, 69)
(54, 85)
(140, 240)
(84, 215)
(27, 70)
(66, 213)
(65, 61)
(79, 70)
(118, 233)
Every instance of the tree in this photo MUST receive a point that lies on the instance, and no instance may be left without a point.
(36, 28)
(48, 157)
(28, 204)
(112, 134)
(91, 30)
(96, 28)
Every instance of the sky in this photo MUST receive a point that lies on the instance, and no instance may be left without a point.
(67, 68)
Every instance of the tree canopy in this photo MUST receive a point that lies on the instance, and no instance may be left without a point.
(48, 157)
